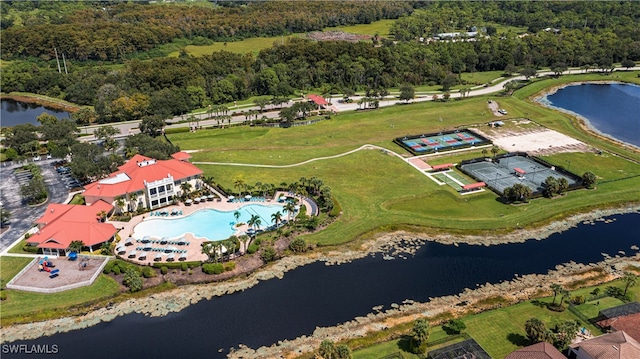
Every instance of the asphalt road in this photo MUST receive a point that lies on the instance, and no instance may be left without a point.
(23, 216)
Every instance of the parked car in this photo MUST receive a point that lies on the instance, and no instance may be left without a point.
(37, 158)
(502, 111)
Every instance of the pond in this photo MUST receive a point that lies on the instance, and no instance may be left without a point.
(318, 295)
(18, 113)
(611, 109)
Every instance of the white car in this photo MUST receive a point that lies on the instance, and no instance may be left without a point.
(49, 156)
(37, 158)
(502, 111)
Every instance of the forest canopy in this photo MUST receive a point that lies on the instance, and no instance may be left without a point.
(559, 35)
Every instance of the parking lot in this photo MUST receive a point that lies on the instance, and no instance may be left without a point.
(23, 216)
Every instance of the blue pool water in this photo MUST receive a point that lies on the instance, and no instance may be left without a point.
(206, 223)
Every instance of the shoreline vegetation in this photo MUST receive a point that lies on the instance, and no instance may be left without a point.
(175, 299)
(45, 101)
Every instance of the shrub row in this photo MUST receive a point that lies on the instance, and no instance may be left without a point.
(217, 268)
(178, 265)
(335, 211)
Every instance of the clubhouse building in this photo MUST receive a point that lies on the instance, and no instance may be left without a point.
(62, 224)
(145, 182)
(141, 183)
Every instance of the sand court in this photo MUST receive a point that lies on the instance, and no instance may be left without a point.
(536, 140)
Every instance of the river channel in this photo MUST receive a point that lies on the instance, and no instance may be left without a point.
(319, 295)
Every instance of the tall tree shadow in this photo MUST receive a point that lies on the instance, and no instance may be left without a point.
(518, 339)
(404, 344)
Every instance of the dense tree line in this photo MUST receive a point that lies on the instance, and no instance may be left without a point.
(115, 31)
(162, 87)
(448, 16)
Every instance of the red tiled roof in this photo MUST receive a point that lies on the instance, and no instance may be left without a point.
(181, 156)
(442, 166)
(474, 185)
(54, 210)
(138, 170)
(318, 100)
(630, 324)
(618, 345)
(75, 223)
(541, 350)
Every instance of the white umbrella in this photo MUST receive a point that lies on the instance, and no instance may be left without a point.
(247, 196)
(188, 201)
(231, 197)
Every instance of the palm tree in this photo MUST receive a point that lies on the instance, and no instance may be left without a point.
(239, 185)
(186, 188)
(120, 202)
(484, 152)
(495, 150)
(245, 241)
(133, 198)
(254, 221)
(629, 279)
(556, 289)
(236, 214)
(76, 246)
(276, 217)
(289, 208)
(102, 215)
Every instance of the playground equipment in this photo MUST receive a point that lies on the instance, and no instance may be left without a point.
(82, 265)
(73, 256)
(44, 265)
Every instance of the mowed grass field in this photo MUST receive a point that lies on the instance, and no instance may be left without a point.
(380, 192)
(255, 44)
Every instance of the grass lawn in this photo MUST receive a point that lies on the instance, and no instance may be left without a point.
(591, 308)
(10, 266)
(255, 44)
(388, 194)
(380, 27)
(250, 45)
(17, 249)
(41, 306)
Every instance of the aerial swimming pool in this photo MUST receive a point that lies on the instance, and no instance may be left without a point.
(211, 224)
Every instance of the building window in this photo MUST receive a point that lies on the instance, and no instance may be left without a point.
(161, 189)
(163, 200)
(154, 203)
(153, 191)
(169, 187)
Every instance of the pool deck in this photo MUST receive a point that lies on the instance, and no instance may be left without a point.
(126, 229)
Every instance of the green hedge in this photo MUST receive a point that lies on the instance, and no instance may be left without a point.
(177, 265)
(253, 247)
(335, 211)
(229, 266)
(176, 130)
(212, 268)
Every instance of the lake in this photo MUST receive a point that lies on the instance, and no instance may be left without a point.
(611, 109)
(18, 113)
(319, 295)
